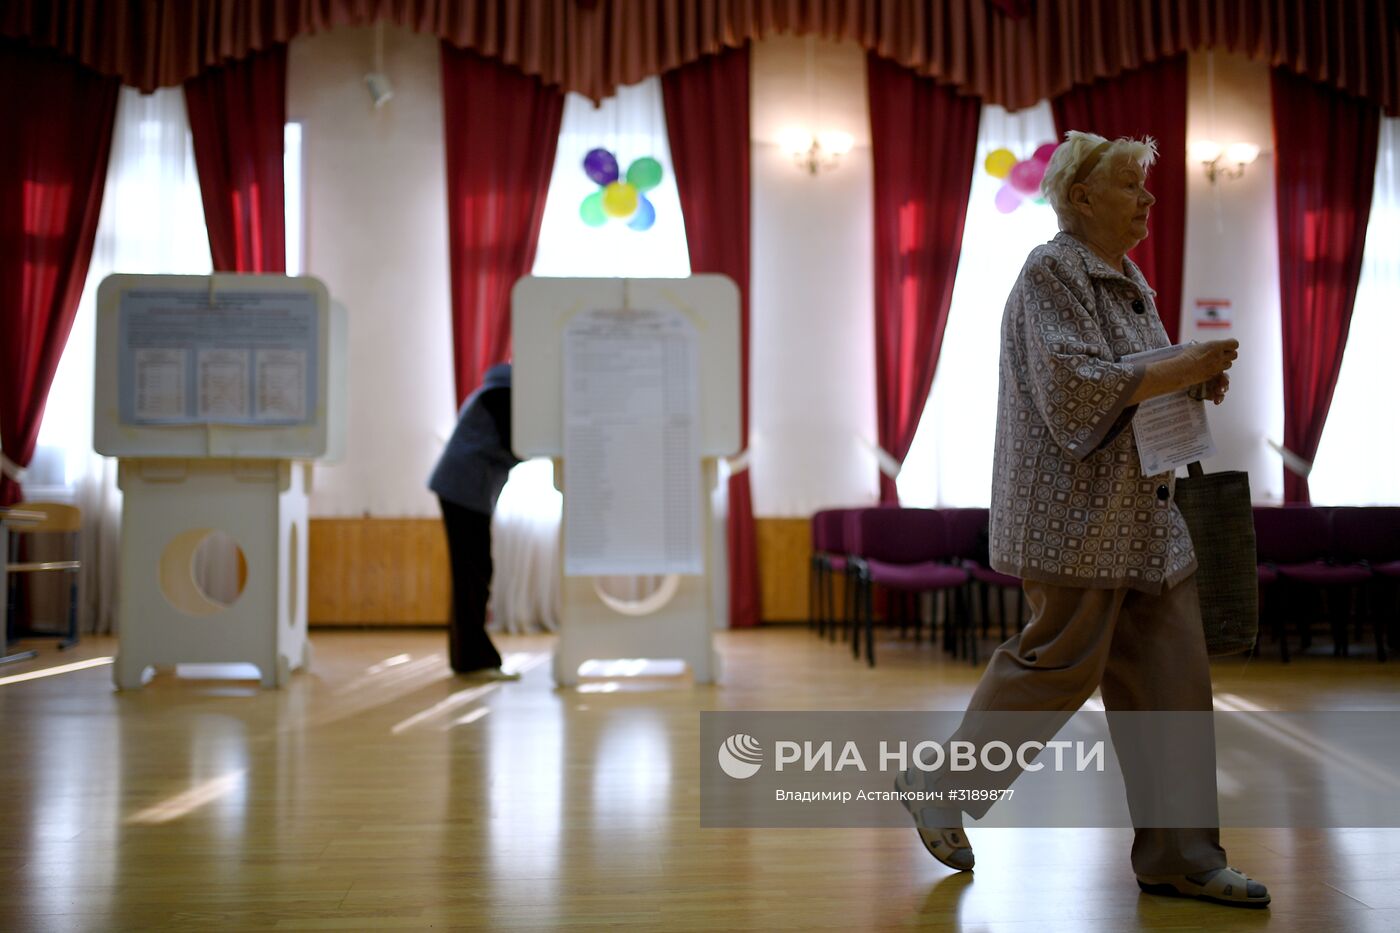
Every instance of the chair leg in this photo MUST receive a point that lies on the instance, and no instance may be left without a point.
(1370, 592)
(72, 638)
(869, 625)
(1001, 601)
(972, 643)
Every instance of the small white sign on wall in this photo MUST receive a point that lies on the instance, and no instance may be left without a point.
(1214, 314)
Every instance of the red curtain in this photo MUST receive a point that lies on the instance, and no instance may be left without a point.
(1148, 102)
(501, 129)
(1325, 170)
(237, 114)
(707, 119)
(923, 139)
(58, 119)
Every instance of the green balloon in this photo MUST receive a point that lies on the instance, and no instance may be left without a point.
(644, 174)
(1037, 200)
(591, 210)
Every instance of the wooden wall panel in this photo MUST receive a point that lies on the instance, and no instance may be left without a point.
(394, 571)
(378, 571)
(784, 550)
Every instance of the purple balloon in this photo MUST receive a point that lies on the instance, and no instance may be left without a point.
(601, 166)
(1025, 176)
(1044, 153)
(1007, 199)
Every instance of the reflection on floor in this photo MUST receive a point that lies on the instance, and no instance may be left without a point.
(379, 792)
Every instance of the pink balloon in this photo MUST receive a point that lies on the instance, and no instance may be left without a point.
(1044, 153)
(1007, 199)
(1025, 176)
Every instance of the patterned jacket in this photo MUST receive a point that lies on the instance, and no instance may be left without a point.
(1070, 505)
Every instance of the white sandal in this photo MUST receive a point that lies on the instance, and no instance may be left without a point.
(947, 844)
(1225, 886)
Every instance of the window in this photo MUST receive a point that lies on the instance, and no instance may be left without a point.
(950, 461)
(1356, 458)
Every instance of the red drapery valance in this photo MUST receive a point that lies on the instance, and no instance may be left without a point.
(1012, 54)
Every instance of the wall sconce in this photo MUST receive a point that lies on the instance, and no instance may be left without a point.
(815, 152)
(1228, 161)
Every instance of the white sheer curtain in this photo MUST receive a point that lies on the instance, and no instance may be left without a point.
(525, 528)
(152, 221)
(950, 461)
(1357, 457)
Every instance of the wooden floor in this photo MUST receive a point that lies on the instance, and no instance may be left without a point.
(378, 792)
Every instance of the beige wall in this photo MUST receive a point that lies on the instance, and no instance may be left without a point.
(377, 236)
(1232, 252)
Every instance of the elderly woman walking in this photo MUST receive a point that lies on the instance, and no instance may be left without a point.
(1104, 554)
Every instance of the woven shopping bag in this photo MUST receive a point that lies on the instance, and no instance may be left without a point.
(1220, 516)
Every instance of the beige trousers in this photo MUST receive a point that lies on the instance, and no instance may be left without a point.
(1143, 652)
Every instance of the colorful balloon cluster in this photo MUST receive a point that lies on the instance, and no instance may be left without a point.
(619, 199)
(1022, 178)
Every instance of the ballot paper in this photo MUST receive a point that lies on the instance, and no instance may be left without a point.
(1171, 430)
(632, 484)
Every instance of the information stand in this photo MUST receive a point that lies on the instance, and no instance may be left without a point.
(215, 392)
(632, 387)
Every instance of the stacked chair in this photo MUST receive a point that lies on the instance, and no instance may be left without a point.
(893, 556)
(1340, 563)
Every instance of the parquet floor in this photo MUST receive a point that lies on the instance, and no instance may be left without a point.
(378, 792)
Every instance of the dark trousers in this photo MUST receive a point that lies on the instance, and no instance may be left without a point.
(469, 648)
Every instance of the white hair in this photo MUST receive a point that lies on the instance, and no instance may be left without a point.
(1070, 155)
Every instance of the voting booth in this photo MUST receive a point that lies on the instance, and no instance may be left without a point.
(215, 392)
(632, 387)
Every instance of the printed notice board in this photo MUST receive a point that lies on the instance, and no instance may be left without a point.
(246, 357)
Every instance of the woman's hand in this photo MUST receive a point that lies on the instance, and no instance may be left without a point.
(1213, 389)
(1209, 360)
(1199, 368)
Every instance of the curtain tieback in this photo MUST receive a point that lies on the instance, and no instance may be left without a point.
(738, 463)
(11, 469)
(883, 458)
(1292, 462)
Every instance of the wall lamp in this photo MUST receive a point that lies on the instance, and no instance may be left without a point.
(815, 152)
(1228, 161)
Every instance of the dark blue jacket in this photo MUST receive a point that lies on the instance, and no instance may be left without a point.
(477, 460)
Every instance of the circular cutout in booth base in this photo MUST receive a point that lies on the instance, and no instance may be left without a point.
(636, 596)
(203, 571)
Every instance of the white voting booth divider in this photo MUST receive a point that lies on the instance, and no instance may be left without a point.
(215, 392)
(632, 386)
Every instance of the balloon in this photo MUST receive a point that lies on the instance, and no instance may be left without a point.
(591, 210)
(1025, 176)
(999, 162)
(645, 216)
(644, 174)
(619, 199)
(1044, 153)
(1038, 200)
(600, 166)
(1007, 199)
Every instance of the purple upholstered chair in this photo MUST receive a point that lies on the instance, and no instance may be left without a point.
(967, 539)
(1371, 537)
(828, 560)
(1294, 545)
(902, 551)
